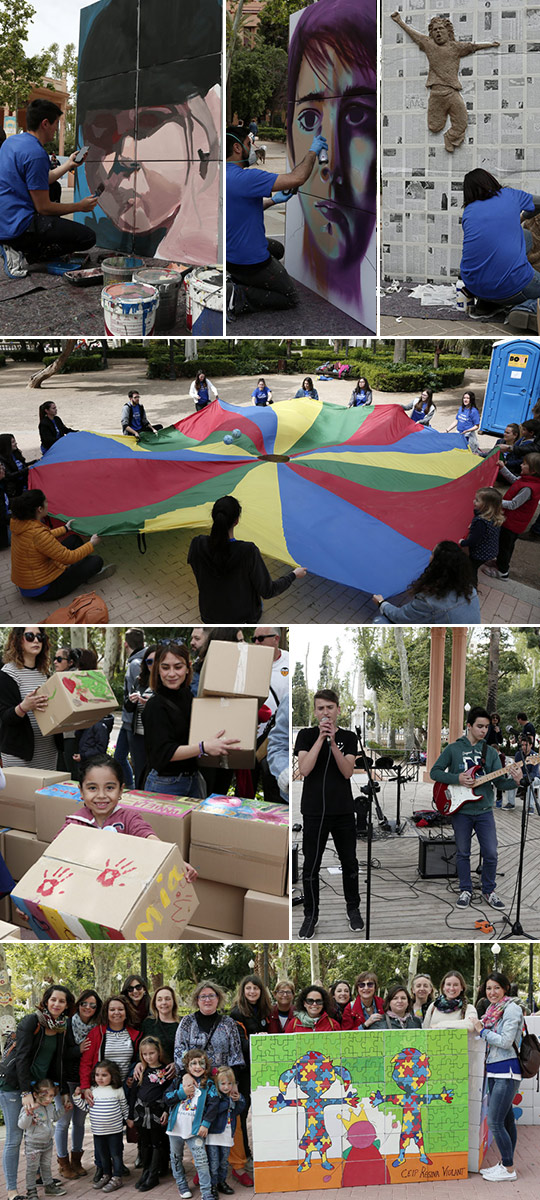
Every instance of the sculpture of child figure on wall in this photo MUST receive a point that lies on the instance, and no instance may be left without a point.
(444, 54)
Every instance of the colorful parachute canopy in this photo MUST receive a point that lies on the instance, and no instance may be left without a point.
(358, 495)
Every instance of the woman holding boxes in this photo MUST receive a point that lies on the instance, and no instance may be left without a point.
(173, 762)
(25, 670)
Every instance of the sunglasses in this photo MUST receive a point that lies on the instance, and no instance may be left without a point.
(88, 1004)
(136, 987)
(313, 1000)
(172, 642)
(263, 637)
(150, 662)
(60, 658)
(33, 637)
(363, 987)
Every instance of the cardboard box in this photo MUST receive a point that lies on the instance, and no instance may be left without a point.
(22, 850)
(238, 717)
(266, 918)
(77, 699)
(9, 932)
(18, 798)
(94, 885)
(169, 817)
(195, 933)
(247, 843)
(13, 917)
(220, 904)
(236, 669)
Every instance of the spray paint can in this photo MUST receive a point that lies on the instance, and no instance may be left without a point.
(323, 156)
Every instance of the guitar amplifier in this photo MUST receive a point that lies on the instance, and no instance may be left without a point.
(437, 858)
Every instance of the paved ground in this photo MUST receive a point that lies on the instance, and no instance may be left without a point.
(473, 1188)
(313, 316)
(160, 586)
(402, 903)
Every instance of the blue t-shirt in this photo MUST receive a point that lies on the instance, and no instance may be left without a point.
(314, 395)
(24, 167)
(202, 395)
(467, 418)
(136, 422)
(260, 395)
(494, 265)
(246, 236)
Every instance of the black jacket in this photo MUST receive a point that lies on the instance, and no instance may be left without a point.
(47, 432)
(233, 593)
(166, 726)
(247, 1026)
(16, 733)
(94, 740)
(15, 1068)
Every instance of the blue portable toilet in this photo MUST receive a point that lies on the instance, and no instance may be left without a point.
(513, 385)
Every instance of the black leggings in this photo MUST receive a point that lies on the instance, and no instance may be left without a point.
(46, 237)
(266, 284)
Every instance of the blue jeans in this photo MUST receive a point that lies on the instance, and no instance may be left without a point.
(175, 785)
(121, 756)
(200, 1158)
(11, 1104)
(218, 1157)
(108, 1152)
(483, 825)
(500, 1116)
(77, 1117)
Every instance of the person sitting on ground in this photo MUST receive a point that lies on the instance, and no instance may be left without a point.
(32, 226)
(262, 394)
(47, 564)
(307, 389)
(494, 268)
(361, 394)
(202, 391)
(51, 426)
(259, 280)
(134, 419)
(231, 575)
(422, 410)
(15, 464)
(443, 594)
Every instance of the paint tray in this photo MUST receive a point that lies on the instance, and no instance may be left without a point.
(88, 277)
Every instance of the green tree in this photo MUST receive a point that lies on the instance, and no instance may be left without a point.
(274, 23)
(18, 73)
(326, 673)
(300, 697)
(63, 64)
(257, 79)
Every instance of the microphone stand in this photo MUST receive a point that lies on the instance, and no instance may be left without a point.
(370, 792)
(516, 928)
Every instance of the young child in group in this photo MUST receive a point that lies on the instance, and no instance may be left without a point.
(194, 1104)
(38, 1128)
(482, 540)
(107, 1115)
(519, 503)
(221, 1134)
(102, 783)
(148, 1112)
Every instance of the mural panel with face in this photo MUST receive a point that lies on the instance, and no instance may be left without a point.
(153, 130)
(332, 91)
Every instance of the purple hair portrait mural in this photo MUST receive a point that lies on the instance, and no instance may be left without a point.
(330, 242)
(149, 109)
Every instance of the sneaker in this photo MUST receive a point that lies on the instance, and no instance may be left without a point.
(495, 902)
(464, 899)
(15, 264)
(98, 1184)
(105, 572)
(509, 806)
(488, 1170)
(522, 318)
(55, 1189)
(237, 301)
(114, 1184)
(355, 920)
(243, 1178)
(500, 1174)
(308, 927)
(186, 1195)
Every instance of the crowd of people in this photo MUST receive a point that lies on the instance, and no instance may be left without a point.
(131, 1063)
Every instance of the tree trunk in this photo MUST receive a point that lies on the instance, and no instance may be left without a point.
(7, 1016)
(414, 955)
(400, 350)
(493, 668)
(78, 636)
(53, 368)
(476, 979)
(103, 969)
(315, 962)
(405, 685)
(112, 649)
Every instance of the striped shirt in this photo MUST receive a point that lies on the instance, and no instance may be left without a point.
(119, 1049)
(45, 751)
(108, 1112)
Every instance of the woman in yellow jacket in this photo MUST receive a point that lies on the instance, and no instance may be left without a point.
(47, 563)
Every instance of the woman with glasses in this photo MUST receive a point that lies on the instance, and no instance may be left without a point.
(367, 1006)
(136, 992)
(173, 761)
(25, 669)
(85, 1017)
(313, 1012)
(135, 704)
(282, 1011)
(46, 563)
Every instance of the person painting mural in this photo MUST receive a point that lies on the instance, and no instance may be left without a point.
(444, 55)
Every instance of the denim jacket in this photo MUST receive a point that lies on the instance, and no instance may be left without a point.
(501, 1040)
(205, 1112)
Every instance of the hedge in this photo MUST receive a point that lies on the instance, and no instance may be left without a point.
(274, 132)
(159, 367)
(26, 355)
(134, 350)
(77, 362)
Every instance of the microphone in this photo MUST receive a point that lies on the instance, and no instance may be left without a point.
(328, 739)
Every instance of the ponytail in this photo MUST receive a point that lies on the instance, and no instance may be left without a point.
(225, 513)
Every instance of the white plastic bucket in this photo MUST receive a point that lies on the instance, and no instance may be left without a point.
(204, 301)
(129, 309)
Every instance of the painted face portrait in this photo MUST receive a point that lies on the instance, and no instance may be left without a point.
(151, 119)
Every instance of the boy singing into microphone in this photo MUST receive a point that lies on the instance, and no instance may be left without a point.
(326, 756)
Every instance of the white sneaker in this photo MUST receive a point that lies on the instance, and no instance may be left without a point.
(186, 1195)
(15, 264)
(487, 1170)
(500, 1174)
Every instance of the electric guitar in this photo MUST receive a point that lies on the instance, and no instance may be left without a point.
(447, 798)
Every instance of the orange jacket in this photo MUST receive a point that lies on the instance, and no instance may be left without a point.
(37, 556)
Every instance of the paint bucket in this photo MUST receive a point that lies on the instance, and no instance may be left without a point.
(167, 281)
(204, 301)
(120, 268)
(129, 309)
